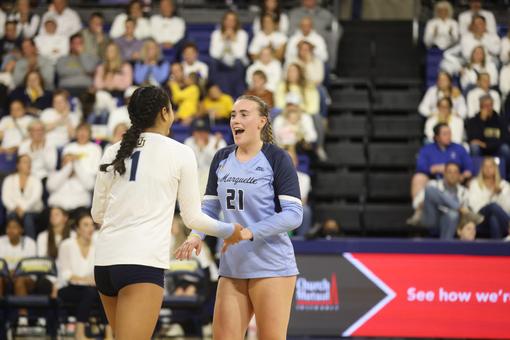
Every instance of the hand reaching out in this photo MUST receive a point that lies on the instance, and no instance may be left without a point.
(245, 235)
(186, 249)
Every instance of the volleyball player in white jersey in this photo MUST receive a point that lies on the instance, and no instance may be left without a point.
(139, 181)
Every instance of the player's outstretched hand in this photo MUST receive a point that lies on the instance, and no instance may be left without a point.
(245, 234)
(236, 235)
(186, 249)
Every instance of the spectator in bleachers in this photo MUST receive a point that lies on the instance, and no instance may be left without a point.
(76, 275)
(441, 31)
(483, 88)
(444, 114)
(59, 120)
(191, 63)
(27, 21)
(480, 36)
(113, 75)
(475, 8)
(489, 195)
(94, 37)
(76, 69)
(433, 157)
(121, 114)
(273, 8)
(185, 95)
(268, 36)
(504, 85)
(167, 28)
(151, 69)
(13, 248)
(444, 202)
(134, 11)
(271, 67)
(85, 153)
(466, 230)
(119, 131)
(313, 66)
(51, 44)
(71, 186)
(296, 82)
(33, 93)
(216, 104)
(305, 186)
(14, 127)
(58, 230)
(67, 20)
(228, 50)
(204, 145)
(22, 195)
(293, 127)
(42, 153)
(306, 32)
(258, 88)
(11, 42)
(505, 49)
(487, 133)
(324, 23)
(31, 60)
(3, 18)
(129, 45)
(479, 63)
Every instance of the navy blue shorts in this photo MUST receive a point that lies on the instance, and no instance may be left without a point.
(111, 279)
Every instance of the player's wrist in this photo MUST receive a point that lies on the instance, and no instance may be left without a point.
(195, 235)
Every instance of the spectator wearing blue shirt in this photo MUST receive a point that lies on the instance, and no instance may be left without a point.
(433, 157)
(151, 70)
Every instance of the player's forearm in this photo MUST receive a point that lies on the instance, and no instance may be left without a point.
(211, 207)
(288, 219)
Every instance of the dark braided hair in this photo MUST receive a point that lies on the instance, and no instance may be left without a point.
(144, 106)
(267, 132)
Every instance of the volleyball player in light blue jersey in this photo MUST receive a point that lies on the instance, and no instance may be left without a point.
(254, 183)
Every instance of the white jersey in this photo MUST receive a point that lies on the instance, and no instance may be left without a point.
(136, 209)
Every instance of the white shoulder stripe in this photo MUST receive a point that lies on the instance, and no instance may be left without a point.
(209, 197)
(290, 198)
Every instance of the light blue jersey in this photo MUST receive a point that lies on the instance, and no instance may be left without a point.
(263, 195)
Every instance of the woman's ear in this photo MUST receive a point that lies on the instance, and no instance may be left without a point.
(263, 122)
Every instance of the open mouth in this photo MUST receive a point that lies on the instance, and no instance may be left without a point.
(238, 131)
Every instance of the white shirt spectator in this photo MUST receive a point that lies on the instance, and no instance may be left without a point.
(320, 48)
(52, 46)
(70, 192)
(42, 241)
(469, 76)
(288, 134)
(504, 81)
(273, 72)
(59, 136)
(197, 67)
(428, 104)
(89, 155)
(14, 130)
(3, 18)
(68, 22)
(441, 33)
(283, 25)
(229, 51)
(44, 160)
(304, 185)
(455, 123)
(116, 117)
(466, 17)
(479, 197)
(72, 262)
(165, 30)
(142, 30)
(505, 50)
(275, 40)
(30, 199)
(489, 41)
(13, 254)
(473, 101)
(27, 29)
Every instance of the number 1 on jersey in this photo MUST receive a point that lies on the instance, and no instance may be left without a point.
(231, 197)
(134, 165)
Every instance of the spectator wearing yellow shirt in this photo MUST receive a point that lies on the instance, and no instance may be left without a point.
(217, 104)
(186, 95)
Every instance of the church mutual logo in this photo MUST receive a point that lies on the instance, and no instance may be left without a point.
(245, 180)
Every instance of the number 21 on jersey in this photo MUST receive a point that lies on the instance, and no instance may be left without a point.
(235, 196)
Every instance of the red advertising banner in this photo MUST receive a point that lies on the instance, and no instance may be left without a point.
(428, 295)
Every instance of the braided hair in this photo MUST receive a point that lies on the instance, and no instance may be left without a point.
(267, 131)
(143, 108)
